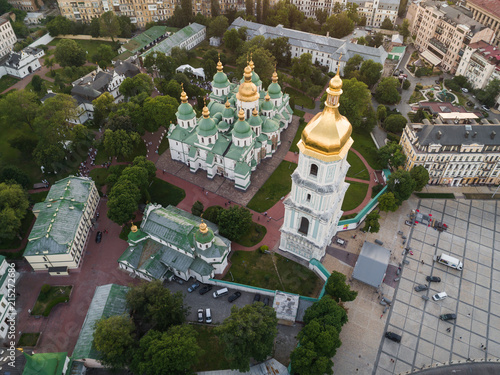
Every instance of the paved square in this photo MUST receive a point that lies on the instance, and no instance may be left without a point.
(473, 237)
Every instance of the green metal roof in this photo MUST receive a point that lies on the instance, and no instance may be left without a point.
(108, 300)
(175, 40)
(176, 259)
(206, 127)
(132, 254)
(267, 105)
(274, 90)
(242, 129)
(242, 169)
(143, 39)
(220, 80)
(398, 50)
(204, 237)
(201, 267)
(185, 111)
(44, 364)
(220, 145)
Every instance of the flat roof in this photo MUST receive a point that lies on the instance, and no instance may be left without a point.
(371, 265)
(457, 116)
(286, 305)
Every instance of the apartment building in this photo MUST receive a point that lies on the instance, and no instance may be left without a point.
(454, 155)
(487, 12)
(8, 280)
(7, 37)
(442, 32)
(62, 226)
(480, 64)
(26, 5)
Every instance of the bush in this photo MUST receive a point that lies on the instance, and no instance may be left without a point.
(406, 84)
(197, 208)
(212, 214)
(419, 86)
(411, 68)
(377, 189)
(263, 248)
(395, 123)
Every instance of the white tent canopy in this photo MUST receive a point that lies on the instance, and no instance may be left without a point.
(198, 72)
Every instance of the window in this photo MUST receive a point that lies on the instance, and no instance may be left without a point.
(304, 226)
(308, 197)
(314, 170)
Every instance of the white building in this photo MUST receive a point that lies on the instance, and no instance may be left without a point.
(7, 37)
(313, 207)
(231, 139)
(22, 64)
(454, 155)
(480, 63)
(187, 37)
(33, 18)
(325, 51)
(8, 280)
(171, 242)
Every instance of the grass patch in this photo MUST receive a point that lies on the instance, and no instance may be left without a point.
(481, 196)
(257, 269)
(350, 216)
(298, 112)
(7, 81)
(357, 168)
(38, 197)
(416, 97)
(363, 143)
(438, 195)
(52, 297)
(16, 241)
(164, 145)
(354, 196)
(165, 194)
(300, 99)
(253, 236)
(211, 357)
(462, 99)
(296, 139)
(28, 339)
(88, 45)
(195, 62)
(126, 230)
(277, 186)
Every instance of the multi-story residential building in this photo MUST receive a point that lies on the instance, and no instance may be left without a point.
(62, 226)
(27, 5)
(7, 37)
(480, 64)
(325, 51)
(454, 155)
(8, 279)
(441, 32)
(487, 12)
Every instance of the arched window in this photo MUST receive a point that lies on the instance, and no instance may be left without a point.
(314, 170)
(308, 197)
(304, 226)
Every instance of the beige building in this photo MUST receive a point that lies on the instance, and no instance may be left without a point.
(442, 32)
(62, 225)
(7, 37)
(27, 5)
(487, 12)
(480, 64)
(454, 155)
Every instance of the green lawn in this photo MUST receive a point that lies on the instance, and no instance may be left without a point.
(254, 235)
(296, 139)
(7, 81)
(363, 143)
(357, 168)
(354, 195)
(46, 301)
(88, 45)
(277, 186)
(165, 194)
(298, 112)
(257, 269)
(28, 339)
(300, 99)
(38, 197)
(195, 62)
(211, 357)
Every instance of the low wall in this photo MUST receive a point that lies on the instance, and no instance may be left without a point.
(46, 39)
(243, 288)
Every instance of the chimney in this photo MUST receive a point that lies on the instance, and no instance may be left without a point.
(474, 135)
(467, 134)
(327, 34)
(439, 134)
(492, 135)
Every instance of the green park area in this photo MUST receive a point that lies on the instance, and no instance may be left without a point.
(355, 195)
(357, 168)
(7, 81)
(363, 143)
(274, 272)
(90, 46)
(301, 100)
(276, 187)
(49, 297)
(28, 340)
(165, 194)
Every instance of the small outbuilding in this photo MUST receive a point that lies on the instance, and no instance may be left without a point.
(286, 306)
(371, 265)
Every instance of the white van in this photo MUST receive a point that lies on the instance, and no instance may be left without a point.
(221, 292)
(208, 316)
(449, 261)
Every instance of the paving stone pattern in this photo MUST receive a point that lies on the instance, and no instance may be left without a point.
(473, 294)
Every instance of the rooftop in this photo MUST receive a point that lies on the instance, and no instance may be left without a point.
(45, 364)
(489, 6)
(286, 305)
(488, 51)
(456, 135)
(371, 265)
(176, 39)
(143, 39)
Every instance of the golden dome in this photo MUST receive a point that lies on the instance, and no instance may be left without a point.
(251, 64)
(228, 105)
(219, 65)
(203, 227)
(328, 135)
(133, 228)
(206, 112)
(254, 112)
(248, 91)
(241, 115)
(275, 75)
(184, 97)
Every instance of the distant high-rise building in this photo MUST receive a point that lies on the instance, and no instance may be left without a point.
(27, 5)
(7, 37)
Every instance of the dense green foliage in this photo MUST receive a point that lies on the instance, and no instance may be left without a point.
(234, 222)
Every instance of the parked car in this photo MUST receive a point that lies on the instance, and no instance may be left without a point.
(200, 315)
(266, 301)
(437, 88)
(485, 108)
(178, 280)
(421, 288)
(408, 222)
(448, 316)
(193, 287)
(393, 336)
(205, 289)
(433, 279)
(208, 316)
(234, 297)
(439, 296)
(464, 89)
(256, 298)
(437, 81)
(340, 241)
(98, 237)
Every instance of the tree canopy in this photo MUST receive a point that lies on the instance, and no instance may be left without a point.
(387, 91)
(395, 123)
(133, 86)
(109, 25)
(355, 102)
(371, 222)
(391, 154)
(387, 202)
(218, 26)
(337, 288)
(421, 177)
(401, 184)
(13, 208)
(489, 94)
(69, 53)
(234, 222)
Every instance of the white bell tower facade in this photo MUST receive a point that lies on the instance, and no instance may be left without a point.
(314, 206)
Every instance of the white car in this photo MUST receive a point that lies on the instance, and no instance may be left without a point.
(340, 241)
(200, 315)
(464, 89)
(439, 296)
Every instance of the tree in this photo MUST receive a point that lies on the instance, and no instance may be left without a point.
(37, 83)
(328, 312)
(171, 352)
(126, 26)
(248, 332)
(402, 7)
(95, 28)
(166, 66)
(265, 10)
(324, 337)
(148, 165)
(103, 106)
(387, 24)
(214, 8)
(12, 174)
(197, 208)
(488, 95)
(305, 360)
(395, 123)
(186, 12)
(352, 66)
(401, 184)
(26, 143)
(370, 72)
(406, 84)
(132, 86)
(104, 53)
(52, 122)
(234, 222)
(355, 102)
(404, 28)
(391, 154)
(337, 288)
(109, 25)
(50, 62)
(371, 222)
(13, 207)
(387, 91)
(362, 41)
(119, 142)
(258, 10)
(375, 40)
(232, 39)
(59, 25)
(123, 201)
(387, 202)
(156, 305)
(50, 156)
(4, 7)
(160, 112)
(263, 60)
(218, 26)
(321, 15)
(249, 6)
(339, 25)
(381, 112)
(114, 338)
(69, 53)
(19, 108)
(421, 177)
(209, 67)
(280, 48)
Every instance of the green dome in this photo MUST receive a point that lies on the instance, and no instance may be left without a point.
(269, 126)
(267, 106)
(220, 80)
(206, 237)
(223, 125)
(255, 121)
(185, 112)
(241, 128)
(228, 113)
(274, 90)
(206, 126)
(256, 79)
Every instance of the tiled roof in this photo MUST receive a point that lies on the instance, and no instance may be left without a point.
(490, 6)
(176, 39)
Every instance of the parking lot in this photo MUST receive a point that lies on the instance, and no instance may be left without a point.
(473, 294)
(220, 307)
